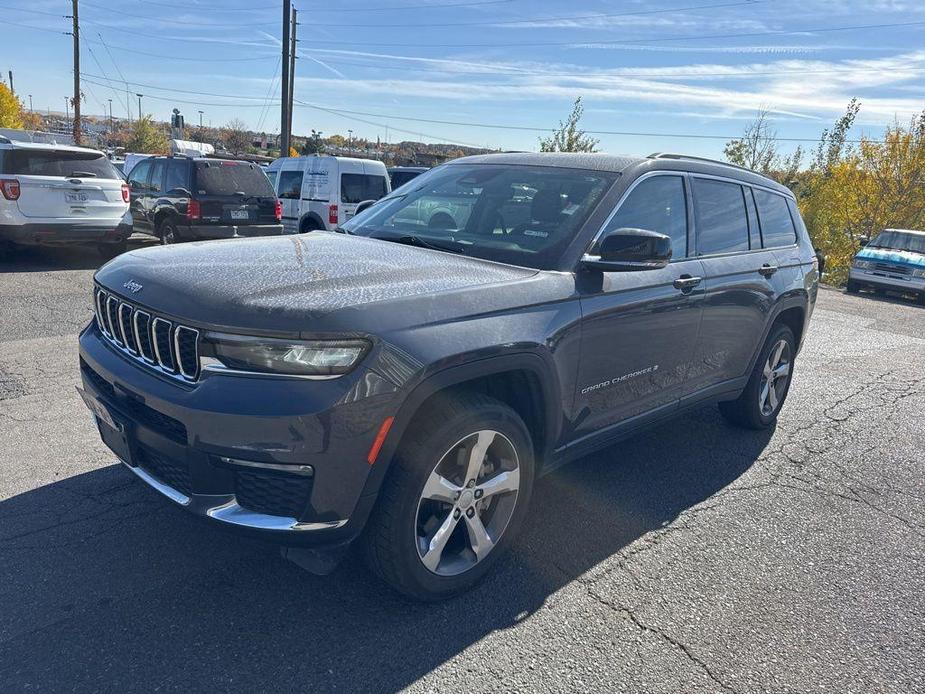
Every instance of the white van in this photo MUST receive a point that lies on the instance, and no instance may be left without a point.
(321, 192)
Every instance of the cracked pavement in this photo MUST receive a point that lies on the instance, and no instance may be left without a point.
(692, 558)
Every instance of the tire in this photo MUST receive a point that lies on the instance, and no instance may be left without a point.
(412, 508)
(309, 225)
(852, 287)
(167, 233)
(111, 250)
(755, 408)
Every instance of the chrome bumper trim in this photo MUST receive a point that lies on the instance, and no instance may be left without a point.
(233, 514)
(165, 489)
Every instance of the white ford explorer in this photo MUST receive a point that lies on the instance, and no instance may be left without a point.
(55, 195)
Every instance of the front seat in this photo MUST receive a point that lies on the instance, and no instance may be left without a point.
(545, 214)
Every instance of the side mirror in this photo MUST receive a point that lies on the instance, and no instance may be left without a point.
(863, 241)
(625, 250)
(365, 205)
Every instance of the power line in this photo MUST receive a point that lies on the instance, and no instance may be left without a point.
(187, 58)
(664, 39)
(433, 121)
(514, 22)
(148, 18)
(266, 106)
(429, 6)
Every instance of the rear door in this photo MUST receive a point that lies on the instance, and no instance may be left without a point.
(289, 190)
(639, 329)
(739, 291)
(66, 184)
(234, 193)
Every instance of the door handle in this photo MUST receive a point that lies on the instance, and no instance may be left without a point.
(767, 270)
(686, 283)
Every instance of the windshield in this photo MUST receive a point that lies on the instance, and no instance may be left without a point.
(899, 241)
(513, 214)
(230, 177)
(69, 164)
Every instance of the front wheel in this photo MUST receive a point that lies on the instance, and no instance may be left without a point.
(852, 287)
(759, 404)
(167, 233)
(454, 499)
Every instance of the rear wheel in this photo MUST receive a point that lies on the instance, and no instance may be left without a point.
(167, 233)
(759, 404)
(454, 499)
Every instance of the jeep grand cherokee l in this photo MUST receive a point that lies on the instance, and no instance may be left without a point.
(402, 384)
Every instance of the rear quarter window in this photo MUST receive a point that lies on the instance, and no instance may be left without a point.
(290, 185)
(230, 177)
(32, 162)
(776, 223)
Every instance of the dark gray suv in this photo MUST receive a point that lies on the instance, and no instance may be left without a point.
(404, 381)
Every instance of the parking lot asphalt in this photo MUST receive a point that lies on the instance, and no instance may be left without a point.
(692, 558)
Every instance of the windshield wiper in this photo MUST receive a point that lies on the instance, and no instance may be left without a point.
(340, 230)
(412, 240)
(82, 174)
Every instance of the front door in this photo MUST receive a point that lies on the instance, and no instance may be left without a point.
(138, 193)
(639, 329)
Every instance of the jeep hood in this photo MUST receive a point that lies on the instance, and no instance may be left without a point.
(892, 255)
(308, 283)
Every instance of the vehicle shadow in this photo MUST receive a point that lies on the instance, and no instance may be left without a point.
(51, 258)
(104, 585)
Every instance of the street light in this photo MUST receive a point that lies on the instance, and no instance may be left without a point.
(349, 138)
(200, 126)
(30, 103)
(67, 109)
(110, 116)
(139, 104)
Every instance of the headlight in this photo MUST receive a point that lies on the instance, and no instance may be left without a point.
(862, 264)
(290, 357)
(919, 273)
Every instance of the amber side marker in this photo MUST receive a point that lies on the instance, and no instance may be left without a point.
(380, 439)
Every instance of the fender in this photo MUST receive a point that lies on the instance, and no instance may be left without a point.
(455, 375)
(794, 299)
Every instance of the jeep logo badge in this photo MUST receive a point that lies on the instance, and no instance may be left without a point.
(132, 286)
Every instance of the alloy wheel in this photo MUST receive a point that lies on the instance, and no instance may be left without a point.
(467, 502)
(774, 378)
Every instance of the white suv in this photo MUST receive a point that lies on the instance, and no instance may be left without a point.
(54, 195)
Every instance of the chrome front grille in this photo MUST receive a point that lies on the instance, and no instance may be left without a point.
(160, 344)
(893, 269)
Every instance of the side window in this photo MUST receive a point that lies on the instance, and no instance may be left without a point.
(754, 229)
(176, 174)
(657, 204)
(719, 208)
(271, 176)
(290, 185)
(138, 179)
(776, 224)
(157, 175)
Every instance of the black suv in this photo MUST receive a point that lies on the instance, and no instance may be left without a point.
(181, 198)
(404, 382)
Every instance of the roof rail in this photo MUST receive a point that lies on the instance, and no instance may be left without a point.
(670, 155)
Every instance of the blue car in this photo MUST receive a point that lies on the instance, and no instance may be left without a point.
(893, 261)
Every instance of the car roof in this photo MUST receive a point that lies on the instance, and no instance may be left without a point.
(627, 165)
(19, 144)
(908, 231)
(420, 169)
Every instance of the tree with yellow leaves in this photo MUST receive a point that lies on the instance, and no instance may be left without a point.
(10, 108)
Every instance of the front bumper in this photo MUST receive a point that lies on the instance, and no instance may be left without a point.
(882, 280)
(65, 233)
(283, 459)
(219, 231)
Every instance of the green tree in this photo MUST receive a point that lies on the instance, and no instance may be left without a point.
(146, 137)
(314, 144)
(568, 137)
(10, 109)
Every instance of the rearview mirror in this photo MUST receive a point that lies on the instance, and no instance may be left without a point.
(624, 250)
(363, 206)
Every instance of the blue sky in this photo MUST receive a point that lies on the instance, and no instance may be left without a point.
(668, 67)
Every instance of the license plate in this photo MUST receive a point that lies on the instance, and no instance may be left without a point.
(239, 214)
(114, 433)
(76, 197)
(99, 410)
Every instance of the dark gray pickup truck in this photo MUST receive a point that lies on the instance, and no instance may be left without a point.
(402, 382)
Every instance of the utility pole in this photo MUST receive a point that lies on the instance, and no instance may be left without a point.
(67, 110)
(75, 31)
(30, 103)
(284, 101)
(11, 83)
(291, 93)
(200, 126)
(110, 116)
(139, 105)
